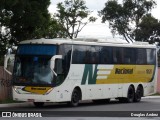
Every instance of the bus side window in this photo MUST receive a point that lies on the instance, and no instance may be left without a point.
(118, 55)
(94, 54)
(105, 55)
(64, 64)
(151, 53)
(87, 57)
(79, 53)
(115, 60)
(141, 56)
(129, 56)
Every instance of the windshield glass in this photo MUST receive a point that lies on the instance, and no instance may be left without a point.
(32, 65)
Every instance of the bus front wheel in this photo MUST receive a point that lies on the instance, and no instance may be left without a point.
(75, 98)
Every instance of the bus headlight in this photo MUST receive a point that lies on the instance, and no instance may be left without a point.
(16, 89)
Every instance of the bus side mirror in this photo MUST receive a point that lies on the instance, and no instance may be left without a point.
(53, 60)
(9, 63)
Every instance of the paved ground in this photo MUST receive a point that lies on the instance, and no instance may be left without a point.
(27, 104)
(148, 105)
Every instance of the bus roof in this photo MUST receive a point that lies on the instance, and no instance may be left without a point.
(90, 41)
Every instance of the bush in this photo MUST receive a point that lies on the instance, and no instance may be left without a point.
(1, 60)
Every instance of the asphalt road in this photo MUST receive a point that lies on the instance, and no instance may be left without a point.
(148, 107)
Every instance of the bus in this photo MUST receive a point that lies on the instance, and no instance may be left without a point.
(64, 70)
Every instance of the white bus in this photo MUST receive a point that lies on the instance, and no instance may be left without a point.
(63, 70)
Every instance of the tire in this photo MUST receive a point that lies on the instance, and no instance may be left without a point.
(130, 95)
(138, 94)
(38, 104)
(75, 98)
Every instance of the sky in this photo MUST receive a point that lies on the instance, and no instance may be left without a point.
(98, 29)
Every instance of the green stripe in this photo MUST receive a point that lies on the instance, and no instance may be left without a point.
(88, 71)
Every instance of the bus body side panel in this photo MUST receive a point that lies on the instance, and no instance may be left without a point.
(95, 83)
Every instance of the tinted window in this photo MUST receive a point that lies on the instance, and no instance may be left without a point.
(37, 49)
(79, 53)
(105, 55)
(65, 51)
(151, 55)
(117, 55)
(94, 54)
(141, 56)
(129, 56)
(84, 54)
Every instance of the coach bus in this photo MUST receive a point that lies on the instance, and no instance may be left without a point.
(63, 70)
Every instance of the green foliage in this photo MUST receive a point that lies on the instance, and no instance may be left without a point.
(72, 16)
(1, 60)
(5, 16)
(21, 20)
(6, 101)
(128, 19)
(55, 29)
(156, 94)
(28, 16)
(149, 29)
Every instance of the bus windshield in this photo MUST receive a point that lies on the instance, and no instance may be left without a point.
(32, 65)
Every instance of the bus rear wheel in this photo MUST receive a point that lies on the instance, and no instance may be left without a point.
(38, 104)
(75, 98)
(130, 95)
(138, 94)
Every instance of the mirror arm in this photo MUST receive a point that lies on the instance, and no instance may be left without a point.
(5, 64)
(53, 59)
(54, 72)
(8, 71)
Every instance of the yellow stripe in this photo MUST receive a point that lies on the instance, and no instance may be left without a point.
(37, 90)
(141, 73)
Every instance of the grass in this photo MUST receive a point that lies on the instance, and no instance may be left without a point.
(9, 101)
(156, 94)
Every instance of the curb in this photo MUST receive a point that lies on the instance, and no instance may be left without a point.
(151, 97)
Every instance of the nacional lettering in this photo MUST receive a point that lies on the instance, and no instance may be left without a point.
(33, 88)
(123, 71)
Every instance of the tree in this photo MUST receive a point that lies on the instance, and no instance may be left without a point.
(24, 18)
(28, 17)
(73, 16)
(54, 30)
(148, 29)
(4, 31)
(125, 18)
(21, 20)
